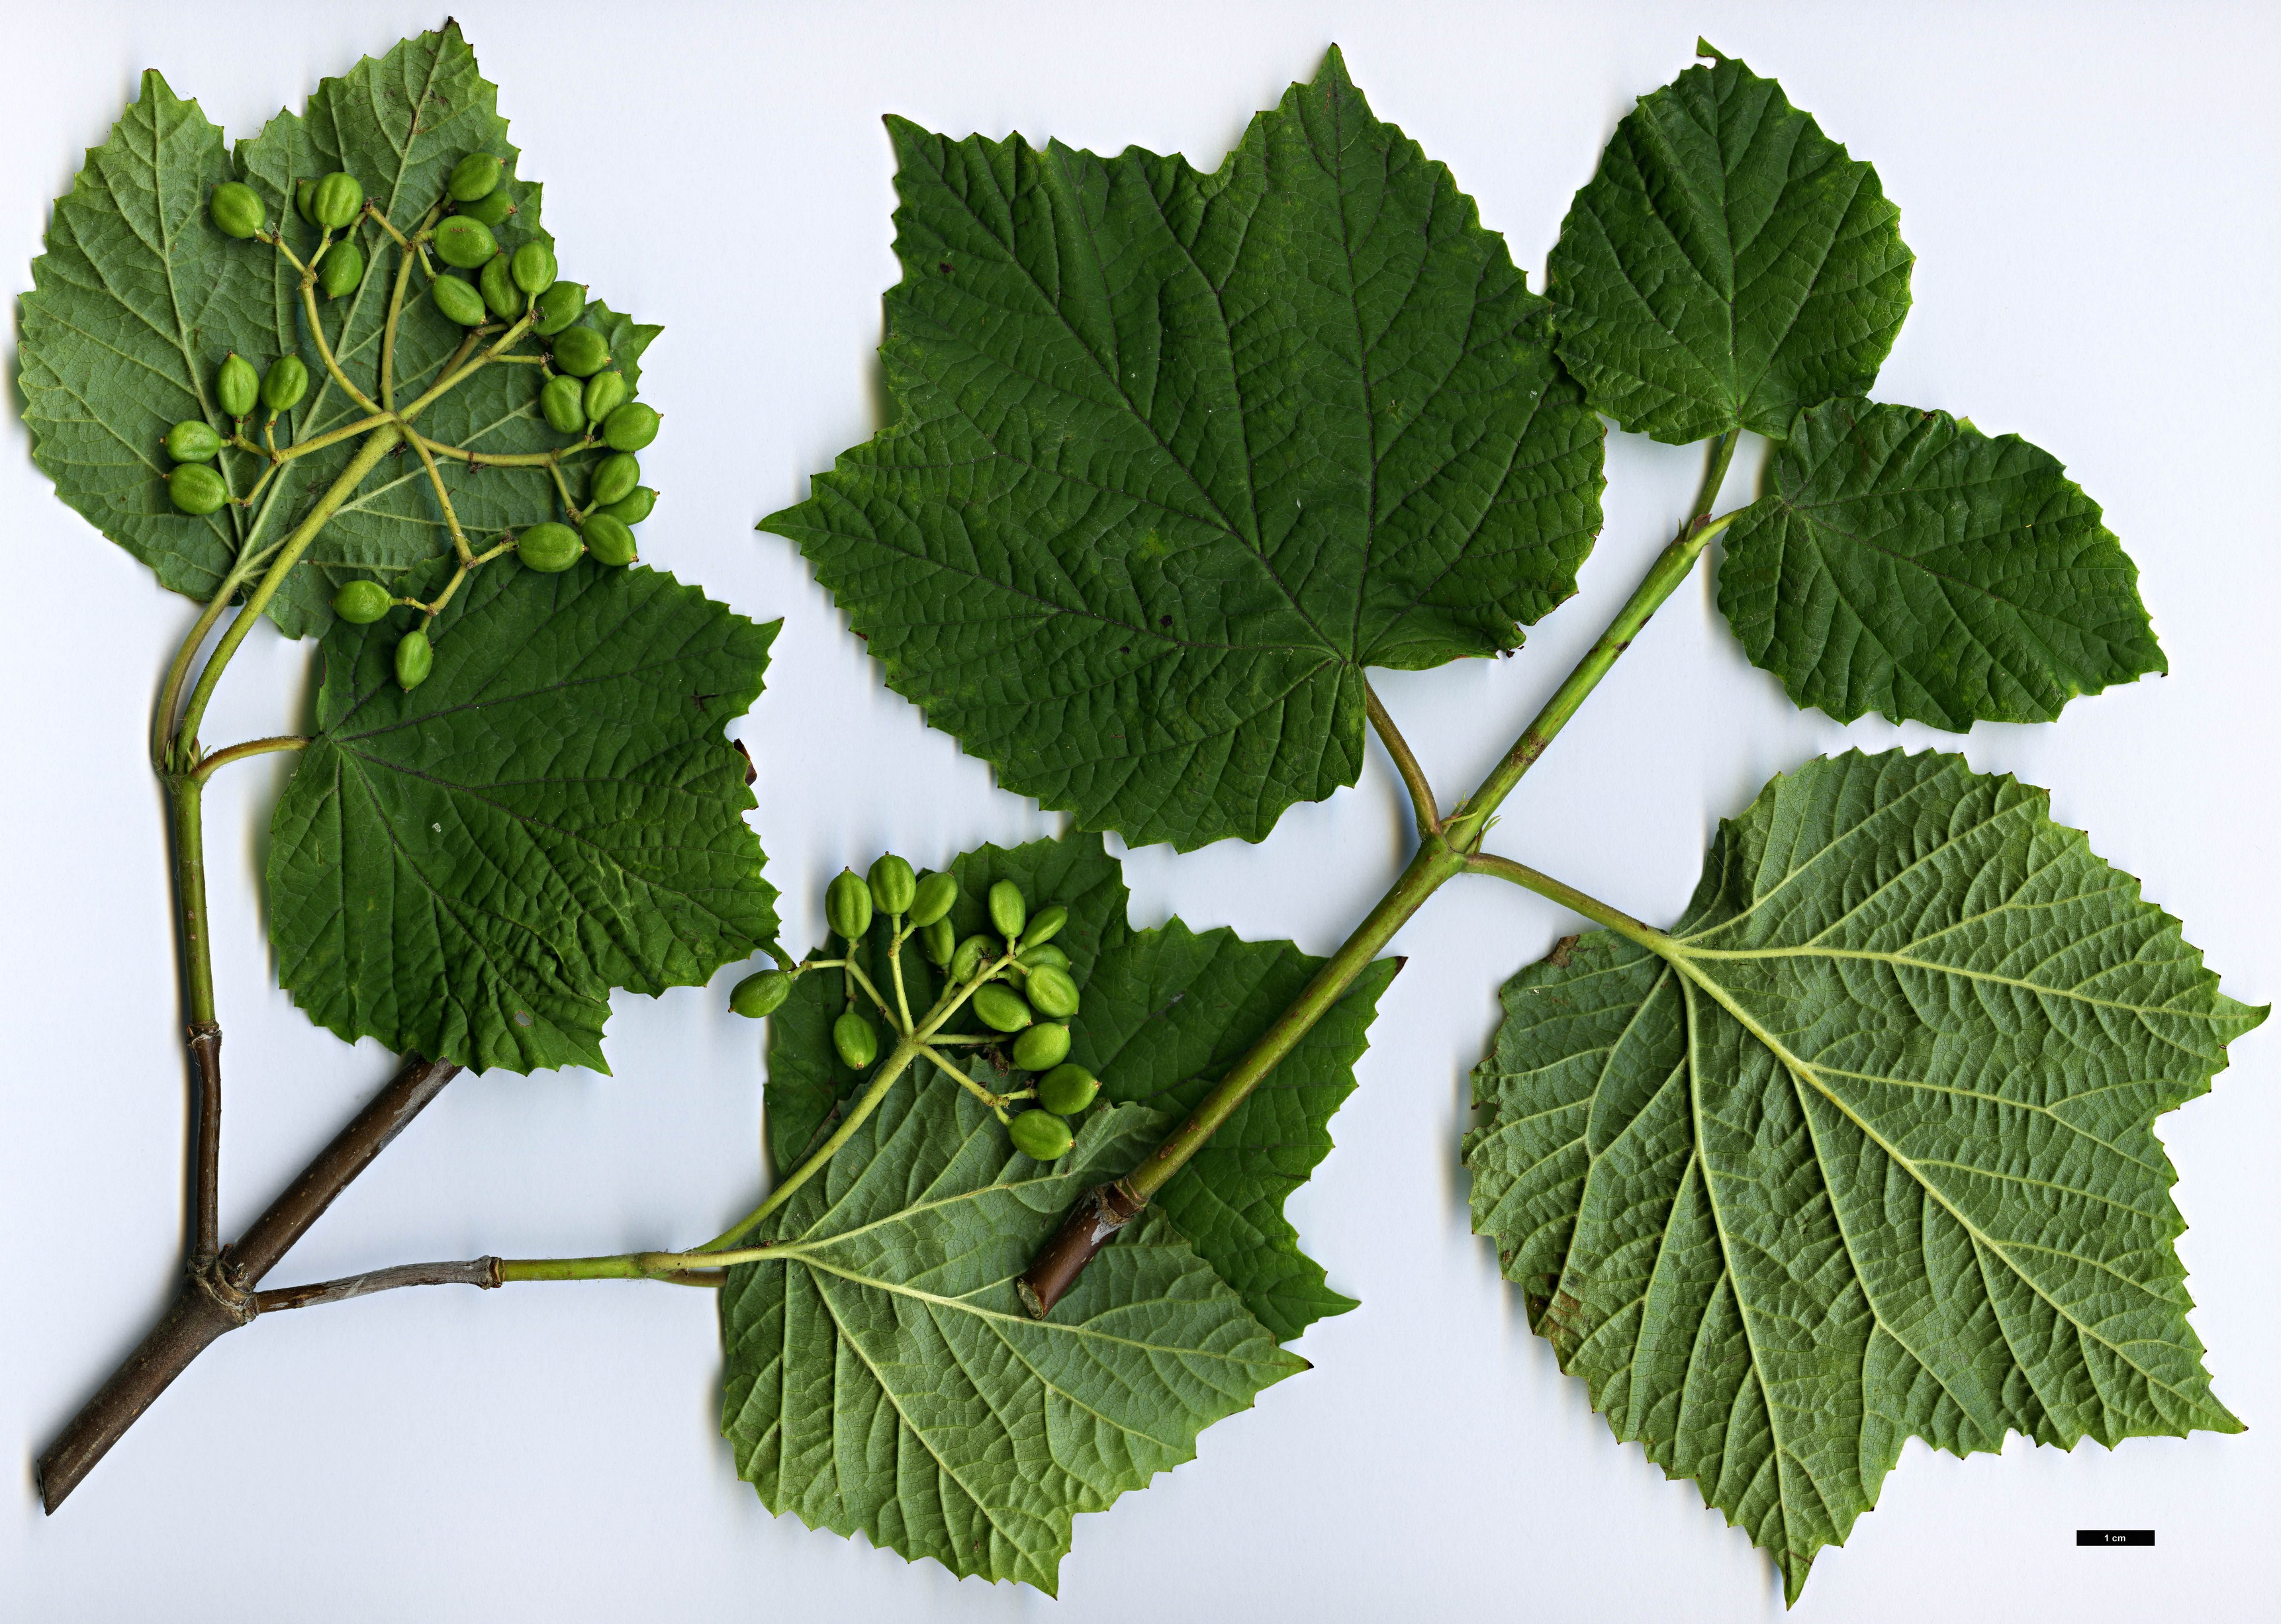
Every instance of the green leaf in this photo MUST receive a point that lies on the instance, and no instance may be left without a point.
(882, 1377)
(139, 299)
(466, 871)
(1165, 1012)
(1726, 265)
(1906, 564)
(1179, 455)
(1864, 1150)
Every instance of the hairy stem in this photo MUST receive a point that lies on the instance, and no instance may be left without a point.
(1103, 1211)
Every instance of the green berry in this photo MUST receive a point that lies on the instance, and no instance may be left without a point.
(192, 441)
(549, 548)
(608, 539)
(761, 995)
(847, 906)
(336, 201)
(558, 307)
(630, 427)
(856, 1039)
(415, 657)
(340, 270)
(491, 210)
(891, 886)
(361, 602)
(534, 268)
(464, 241)
(475, 175)
(581, 351)
(195, 489)
(506, 300)
(605, 390)
(940, 942)
(558, 403)
(1067, 1089)
(931, 899)
(284, 383)
(237, 209)
(969, 956)
(1053, 991)
(634, 507)
(1031, 957)
(614, 477)
(1042, 1047)
(304, 200)
(238, 386)
(1045, 927)
(1008, 910)
(1000, 1007)
(1040, 1135)
(458, 301)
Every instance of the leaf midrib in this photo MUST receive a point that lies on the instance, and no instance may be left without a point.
(1803, 1070)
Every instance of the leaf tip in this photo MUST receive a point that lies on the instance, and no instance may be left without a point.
(1708, 52)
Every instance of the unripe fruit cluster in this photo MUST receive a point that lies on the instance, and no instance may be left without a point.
(194, 485)
(1034, 1020)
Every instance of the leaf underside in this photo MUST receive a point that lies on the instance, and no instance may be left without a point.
(139, 298)
(466, 871)
(1726, 265)
(1906, 564)
(1165, 1012)
(882, 1377)
(1866, 1153)
(1180, 454)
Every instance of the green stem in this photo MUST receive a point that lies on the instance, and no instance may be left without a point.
(1464, 826)
(1413, 776)
(302, 448)
(1440, 856)
(895, 1066)
(170, 692)
(384, 440)
(190, 884)
(208, 766)
(1578, 902)
(1428, 870)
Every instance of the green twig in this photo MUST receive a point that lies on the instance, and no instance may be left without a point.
(208, 766)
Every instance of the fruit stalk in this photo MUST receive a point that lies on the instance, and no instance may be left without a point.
(218, 1296)
(1101, 1212)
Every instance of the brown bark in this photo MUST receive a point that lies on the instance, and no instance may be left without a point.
(205, 1156)
(217, 1297)
(1091, 1224)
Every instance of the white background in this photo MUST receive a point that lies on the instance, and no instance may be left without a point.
(2093, 194)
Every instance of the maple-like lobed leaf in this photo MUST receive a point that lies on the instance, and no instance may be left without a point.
(1726, 265)
(1180, 455)
(1903, 562)
(140, 296)
(467, 871)
(1863, 1151)
(1166, 1012)
(882, 1377)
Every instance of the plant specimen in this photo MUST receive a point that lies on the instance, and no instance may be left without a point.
(1859, 1150)
(260, 371)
